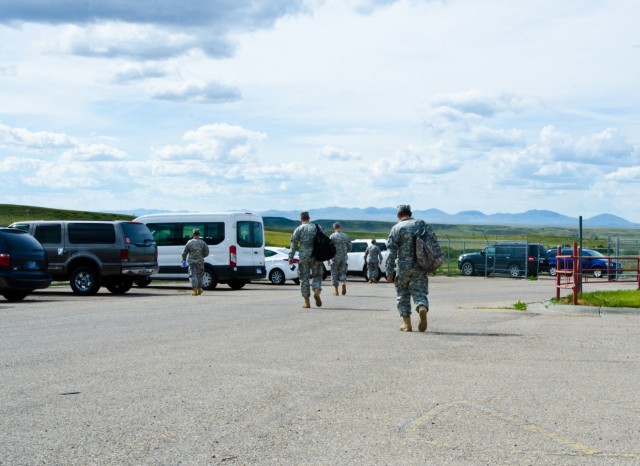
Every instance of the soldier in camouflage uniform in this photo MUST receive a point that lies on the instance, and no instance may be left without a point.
(339, 262)
(410, 280)
(302, 240)
(372, 257)
(197, 250)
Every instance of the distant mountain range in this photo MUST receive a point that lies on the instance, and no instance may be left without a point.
(467, 217)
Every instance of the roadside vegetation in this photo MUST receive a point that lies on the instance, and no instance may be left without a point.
(614, 298)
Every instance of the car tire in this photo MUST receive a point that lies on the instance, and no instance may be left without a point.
(598, 272)
(209, 279)
(142, 282)
(236, 284)
(277, 277)
(514, 270)
(325, 273)
(119, 285)
(15, 295)
(85, 280)
(296, 281)
(467, 269)
(552, 270)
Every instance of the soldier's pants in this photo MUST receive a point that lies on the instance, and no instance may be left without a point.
(196, 272)
(310, 268)
(372, 270)
(338, 269)
(412, 283)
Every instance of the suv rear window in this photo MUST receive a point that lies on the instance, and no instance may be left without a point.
(136, 233)
(91, 233)
(18, 239)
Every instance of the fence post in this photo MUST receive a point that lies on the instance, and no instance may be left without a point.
(558, 281)
(577, 277)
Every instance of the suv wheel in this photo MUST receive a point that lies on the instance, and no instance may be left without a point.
(552, 270)
(85, 280)
(143, 281)
(120, 285)
(15, 295)
(467, 269)
(514, 270)
(597, 272)
(209, 280)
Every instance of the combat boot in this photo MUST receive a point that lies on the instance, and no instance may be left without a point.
(306, 304)
(335, 290)
(316, 296)
(344, 288)
(199, 291)
(422, 311)
(406, 325)
(194, 292)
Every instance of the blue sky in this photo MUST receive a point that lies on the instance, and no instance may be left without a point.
(457, 105)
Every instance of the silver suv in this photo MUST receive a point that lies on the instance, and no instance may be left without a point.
(93, 254)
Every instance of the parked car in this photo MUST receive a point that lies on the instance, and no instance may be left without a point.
(355, 259)
(23, 264)
(513, 258)
(276, 261)
(593, 262)
(91, 254)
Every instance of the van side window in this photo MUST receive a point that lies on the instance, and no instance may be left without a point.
(49, 234)
(177, 234)
(358, 247)
(250, 234)
(91, 233)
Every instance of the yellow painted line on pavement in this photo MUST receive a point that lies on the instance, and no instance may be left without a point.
(578, 448)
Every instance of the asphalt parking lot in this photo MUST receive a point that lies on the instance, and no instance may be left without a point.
(158, 376)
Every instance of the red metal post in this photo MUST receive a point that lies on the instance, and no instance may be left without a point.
(577, 278)
(558, 281)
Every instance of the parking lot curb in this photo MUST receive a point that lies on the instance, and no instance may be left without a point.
(548, 306)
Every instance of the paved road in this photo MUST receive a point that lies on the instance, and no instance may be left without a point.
(249, 377)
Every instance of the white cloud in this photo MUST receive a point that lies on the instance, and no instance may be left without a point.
(93, 153)
(131, 72)
(199, 93)
(335, 154)
(23, 139)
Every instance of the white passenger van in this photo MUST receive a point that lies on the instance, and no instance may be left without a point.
(235, 239)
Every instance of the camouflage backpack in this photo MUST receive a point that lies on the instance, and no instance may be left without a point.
(428, 251)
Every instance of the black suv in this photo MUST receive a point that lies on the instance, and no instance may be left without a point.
(23, 264)
(93, 254)
(513, 258)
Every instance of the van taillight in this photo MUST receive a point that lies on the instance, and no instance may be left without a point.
(124, 255)
(5, 259)
(232, 256)
(532, 259)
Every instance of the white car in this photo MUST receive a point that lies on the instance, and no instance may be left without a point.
(355, 261)
(276, 262)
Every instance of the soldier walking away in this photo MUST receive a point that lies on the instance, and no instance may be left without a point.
(372, 257)
(411, 281)
(339, 262)
(308, 267)
(196, 250)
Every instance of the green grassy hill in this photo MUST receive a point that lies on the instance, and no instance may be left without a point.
(10, 213)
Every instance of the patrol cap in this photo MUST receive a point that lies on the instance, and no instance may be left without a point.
(336, 225)
(304, 214)
(196, 231)
(404, 208)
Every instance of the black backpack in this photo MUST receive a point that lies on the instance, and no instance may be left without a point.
(323, 248)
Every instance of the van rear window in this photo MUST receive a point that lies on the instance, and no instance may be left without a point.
(91, 233)
(250, 234)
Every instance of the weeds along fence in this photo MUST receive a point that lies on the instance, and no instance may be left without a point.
(611, 245)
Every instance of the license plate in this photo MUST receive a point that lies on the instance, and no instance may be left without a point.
(31, 265)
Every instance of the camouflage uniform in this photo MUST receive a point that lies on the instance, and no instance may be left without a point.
(197, 250)
(372, 257)
(410, 280)
(302, 240)
(339, 262)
